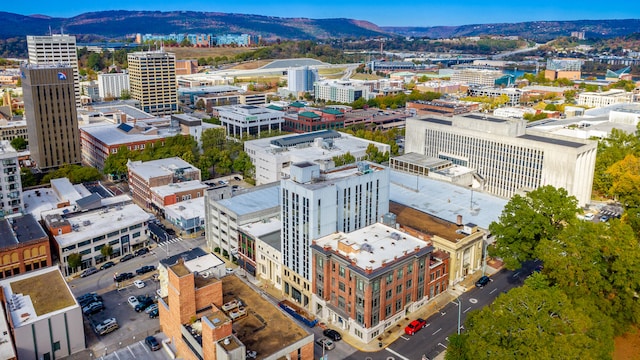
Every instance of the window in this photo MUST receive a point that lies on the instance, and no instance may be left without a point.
(409, 269)
(359, 284)
(399, 305)
(399, 289)
(341, 286)
(56, 346)
(409, 284)
(389, 294)
(341, 301)
(387, 311)
(400, 273)
(389, 278)
(341, 271)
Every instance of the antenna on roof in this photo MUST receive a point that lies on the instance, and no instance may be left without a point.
(50, 30)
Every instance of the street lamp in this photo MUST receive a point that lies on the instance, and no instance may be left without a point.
(166, 238)
(459, 313)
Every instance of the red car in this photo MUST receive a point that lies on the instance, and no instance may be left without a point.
(415, 326)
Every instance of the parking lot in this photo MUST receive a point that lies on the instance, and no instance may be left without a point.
(137, 350)
(133, 326)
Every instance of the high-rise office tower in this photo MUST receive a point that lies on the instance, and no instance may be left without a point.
(59, 50)
(315, 204)
(10, 185)
(52, 120)
(152, 81)
(301, 79)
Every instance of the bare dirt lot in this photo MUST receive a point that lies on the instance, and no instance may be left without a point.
(195, 53)
(627, 346)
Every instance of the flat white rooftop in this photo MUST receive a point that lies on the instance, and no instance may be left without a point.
(188, 209)
(445, 200)
(155, 168)
(261, 228)
(372, 246)
(203, 263)
(109, 134)
(253, 200)
(101, 221)
(170, 189)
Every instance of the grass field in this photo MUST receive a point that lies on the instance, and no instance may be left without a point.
(195, 53)
(360, 76)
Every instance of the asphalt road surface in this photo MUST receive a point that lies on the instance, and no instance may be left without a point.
(433, 339)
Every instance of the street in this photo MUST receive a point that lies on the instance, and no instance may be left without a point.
(433, 338)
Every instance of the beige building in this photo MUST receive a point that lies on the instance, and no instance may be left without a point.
(152, 81)
(600, 99)
(52, 119)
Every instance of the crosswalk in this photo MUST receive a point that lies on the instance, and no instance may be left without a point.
(170, 241)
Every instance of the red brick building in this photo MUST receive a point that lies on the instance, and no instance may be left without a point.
(369, 279)
(24, 246)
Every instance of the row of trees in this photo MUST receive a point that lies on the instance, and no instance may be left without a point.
(586, 294)
(394, 101)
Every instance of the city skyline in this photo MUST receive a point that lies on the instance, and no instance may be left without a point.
(405, 13)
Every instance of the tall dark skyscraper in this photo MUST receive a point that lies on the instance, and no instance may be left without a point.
(50, 111)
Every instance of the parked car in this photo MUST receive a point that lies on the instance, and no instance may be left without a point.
(139, 284)
(332, 334)
(107, 265)
(588, 217)
(604, 218)
(107, 326)
(483, 281)
(145, 269)
(93, 308)
(326, 343)
(152, 343)
(153, 314)
(415, 326)
(89, 271)
(143, 304)
(151, 308)
(88, 300)
(141, 251)
(133, 301)
(123, 276)
(126, 258)
(236, 178)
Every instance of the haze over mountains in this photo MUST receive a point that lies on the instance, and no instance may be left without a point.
(116, 24)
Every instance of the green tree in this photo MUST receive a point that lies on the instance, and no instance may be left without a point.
(75, 173)
(125, 94)
(200, 104)
(525, 220)
(599, 264)
(535, 324)
(27, 178)
(74, 260)
(625, 178)
(611, 150)
(19, 143)
(106, 251)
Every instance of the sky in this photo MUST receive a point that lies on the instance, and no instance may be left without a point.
(382, 13)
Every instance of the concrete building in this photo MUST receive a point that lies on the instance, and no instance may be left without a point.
(368, 280)
(11, 129)
(90, 89)
(58, 50)
(476, 77)
(24, 246)
(45, 321)
(605, 98)
(563, 69)
(145, 175)
(123, 226)
(152, 81)
(513, 112)
(187, 216)
(227, 214)
(272, 157)
(10, 182)
(318, 203)
(112, 85)
(249, 119)
(214, 318)
(506, 157)
(301, 79)
(50, 107)
(513, 94)
(442, 107)
(340, 91)
(249, 235)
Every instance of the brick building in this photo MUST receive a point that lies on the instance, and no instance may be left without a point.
(367, 280)
(24, 246)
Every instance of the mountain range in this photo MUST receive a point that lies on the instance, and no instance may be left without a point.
(117, 24)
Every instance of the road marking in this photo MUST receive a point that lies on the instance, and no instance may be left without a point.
(473, 300)
(427, 325)
(404, 338)
(492, 291)
(442, 345)
(443, 313)
(437, 331)
(396, 354)
(454, 303)
(516, 274)
(467, 309)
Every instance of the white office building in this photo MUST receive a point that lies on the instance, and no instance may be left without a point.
(480, 77)
(56, 49)
(316, 204)
(112, 85)
(272, 157)
(10, 183)
(340, 91)
(301, 79)
(507, 157)
(121, 225)
(606, 98)
(249, 119)
(224, 214)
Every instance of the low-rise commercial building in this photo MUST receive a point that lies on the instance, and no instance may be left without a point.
(249, 119)
(24, 246)
(44, 319)
(340, 91)
(10, 182)
(606, 98)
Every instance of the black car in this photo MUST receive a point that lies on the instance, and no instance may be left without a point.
(126, 258)
(483, 281)
(143, 304)
(107, 265)
(145, 269)
(93, 308)
(153, 314)
(142, 251)
(152, 343)
(332, 334)
(88, 300)
(237, 178)
(123, 277)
